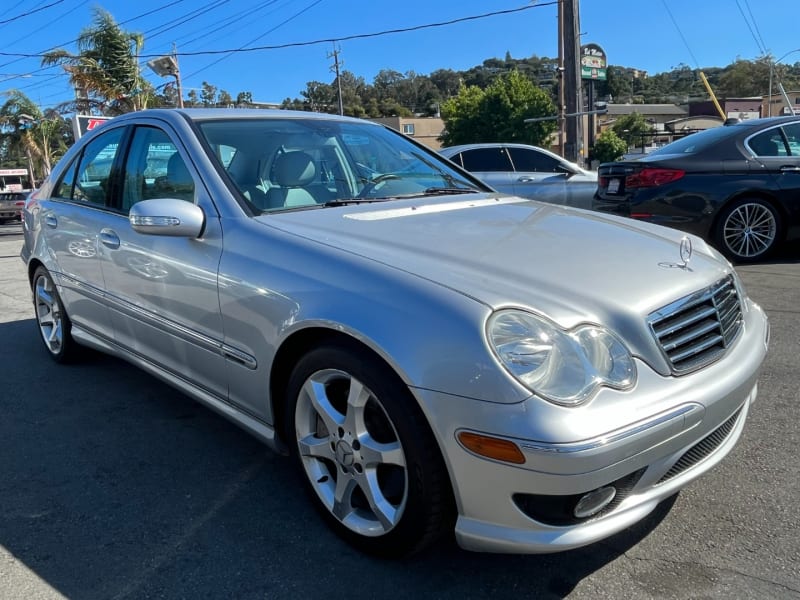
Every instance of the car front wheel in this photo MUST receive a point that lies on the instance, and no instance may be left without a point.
(51, 318)
(366, 452)
(748, 230)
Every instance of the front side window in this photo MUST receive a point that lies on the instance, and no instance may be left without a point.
(92, 181)
(486, 159)
(792, 133)
(154, 169)
(531, 160)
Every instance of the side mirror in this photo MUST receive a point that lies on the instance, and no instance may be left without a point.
(167, 216)
(568, 169)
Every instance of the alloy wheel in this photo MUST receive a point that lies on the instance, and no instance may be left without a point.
(351, 452)
(750, 230)
(49, 314)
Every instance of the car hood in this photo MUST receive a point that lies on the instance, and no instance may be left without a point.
(568, 264)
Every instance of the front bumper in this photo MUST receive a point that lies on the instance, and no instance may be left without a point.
(706, 409)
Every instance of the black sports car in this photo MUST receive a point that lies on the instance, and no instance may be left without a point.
(737, 185)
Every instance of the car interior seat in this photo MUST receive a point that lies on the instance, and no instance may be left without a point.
(178, 182)
(291, 171)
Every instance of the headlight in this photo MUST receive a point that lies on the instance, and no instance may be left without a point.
(565, 367)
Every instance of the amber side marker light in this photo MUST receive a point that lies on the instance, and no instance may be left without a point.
(491, 447)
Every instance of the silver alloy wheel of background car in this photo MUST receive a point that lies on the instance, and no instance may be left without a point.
(749, 229)
(351, 452)
(49, 312)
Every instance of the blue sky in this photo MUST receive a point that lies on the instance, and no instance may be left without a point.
(636, 33)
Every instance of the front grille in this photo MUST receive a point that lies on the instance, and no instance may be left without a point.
(702, 448)
(695, 331)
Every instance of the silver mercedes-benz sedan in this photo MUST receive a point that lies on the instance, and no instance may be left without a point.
(433, 355)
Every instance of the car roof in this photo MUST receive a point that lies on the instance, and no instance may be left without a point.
(211, 114)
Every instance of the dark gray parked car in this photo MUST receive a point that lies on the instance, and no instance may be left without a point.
(737, 186)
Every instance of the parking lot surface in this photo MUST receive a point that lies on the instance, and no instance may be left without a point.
(113, 485)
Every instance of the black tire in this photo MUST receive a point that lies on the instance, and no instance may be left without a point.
(52, 321)
(748, 230)
(366, 453)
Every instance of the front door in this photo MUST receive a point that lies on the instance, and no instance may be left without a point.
(163, 290)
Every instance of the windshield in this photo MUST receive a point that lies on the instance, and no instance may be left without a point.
(280, 164)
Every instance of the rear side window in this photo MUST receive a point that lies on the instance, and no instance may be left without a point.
(486, 159)
(90, 182)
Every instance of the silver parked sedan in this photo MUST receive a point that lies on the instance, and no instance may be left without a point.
(527, 171)
(432, 355)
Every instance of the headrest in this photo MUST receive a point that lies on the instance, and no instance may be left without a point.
(177, 173)
(293, 169)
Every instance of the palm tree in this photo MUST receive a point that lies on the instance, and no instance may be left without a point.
(106, 67)
(29, 136)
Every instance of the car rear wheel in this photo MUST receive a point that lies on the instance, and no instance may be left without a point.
(366, 452)
(51, 318)
(748, 230)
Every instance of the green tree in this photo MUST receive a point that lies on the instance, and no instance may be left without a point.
(244, 99)
(224, 99)
(29, 137)
(498, 113)
(608, 147)
(208, 94)
(632, 128)
(106, 67)
(192, 99)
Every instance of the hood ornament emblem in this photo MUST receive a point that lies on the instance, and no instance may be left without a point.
(685, 251)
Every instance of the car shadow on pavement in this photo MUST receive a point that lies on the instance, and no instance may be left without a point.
(114, 485)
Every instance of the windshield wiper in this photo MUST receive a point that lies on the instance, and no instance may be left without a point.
(349, 201)
(441, 191)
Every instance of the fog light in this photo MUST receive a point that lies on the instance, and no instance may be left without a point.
(595, 501)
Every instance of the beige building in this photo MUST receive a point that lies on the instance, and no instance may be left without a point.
(775, 106)
(425, 130)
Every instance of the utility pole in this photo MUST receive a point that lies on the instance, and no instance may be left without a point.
(335, 69)
(177, 75)
(571, 78)
(562, 132)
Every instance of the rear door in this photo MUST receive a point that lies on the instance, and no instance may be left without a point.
(71, 222)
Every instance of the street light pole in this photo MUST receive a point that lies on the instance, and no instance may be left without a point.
(772, 64)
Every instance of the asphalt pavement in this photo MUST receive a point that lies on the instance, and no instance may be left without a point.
(113, 485)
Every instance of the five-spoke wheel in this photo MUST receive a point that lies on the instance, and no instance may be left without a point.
(366, 452)
(51, 318)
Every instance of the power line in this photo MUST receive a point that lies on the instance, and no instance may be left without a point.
(30, 12)
(231, 52)
(680, 33)
(329, 40)
(755, 33)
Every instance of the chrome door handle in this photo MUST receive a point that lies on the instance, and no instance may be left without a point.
(51, 221)
(790, 169)
(109, 238)
(527, 180)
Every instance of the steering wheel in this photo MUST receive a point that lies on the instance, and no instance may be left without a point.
(375, 183)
